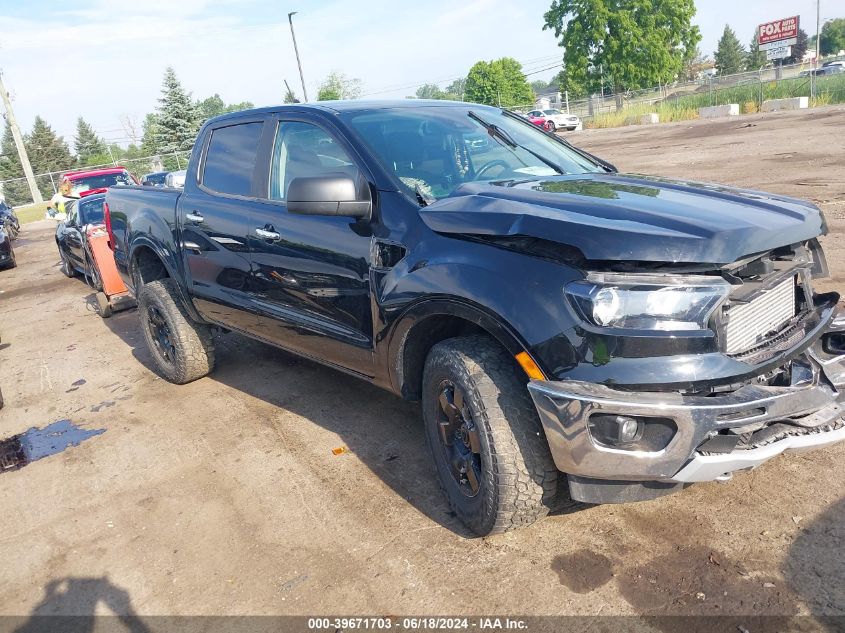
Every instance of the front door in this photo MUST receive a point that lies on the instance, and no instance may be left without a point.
(311, 273)
(214, 221)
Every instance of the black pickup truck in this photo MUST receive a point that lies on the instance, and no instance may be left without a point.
(574, 334)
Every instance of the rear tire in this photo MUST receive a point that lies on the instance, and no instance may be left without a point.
(510, 481)
(182, 350)
(13, 262)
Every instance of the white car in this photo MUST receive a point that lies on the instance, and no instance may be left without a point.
(560, 120)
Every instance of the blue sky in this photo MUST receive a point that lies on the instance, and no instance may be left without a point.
(104, 59)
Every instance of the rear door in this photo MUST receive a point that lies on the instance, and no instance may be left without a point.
(214, 219)
(71, 234)
(311, 273)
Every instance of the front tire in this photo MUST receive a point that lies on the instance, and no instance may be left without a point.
(182, 350)
(552, 127)
(486, 439)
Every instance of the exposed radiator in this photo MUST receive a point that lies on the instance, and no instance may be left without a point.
(749, 323)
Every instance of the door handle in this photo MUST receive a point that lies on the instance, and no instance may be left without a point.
(268, 234)
(194, 216)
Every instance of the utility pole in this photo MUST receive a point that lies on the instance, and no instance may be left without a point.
(296, 50)
(16, 134)
(818, 37)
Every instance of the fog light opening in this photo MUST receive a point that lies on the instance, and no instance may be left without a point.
(635, 433)
(834, 343)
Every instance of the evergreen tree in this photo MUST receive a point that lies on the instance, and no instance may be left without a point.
(47, 152)
(755, 59)
(177, 117)
(149, 144)
(90, 149)
(730, 54)
(14, 191)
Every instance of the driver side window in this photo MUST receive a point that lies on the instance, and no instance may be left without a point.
(303, 149)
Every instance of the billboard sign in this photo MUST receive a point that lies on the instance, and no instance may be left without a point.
(778, 30)
(778, 53)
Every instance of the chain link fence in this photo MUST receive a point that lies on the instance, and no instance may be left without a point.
(682, 99)
(15, 191)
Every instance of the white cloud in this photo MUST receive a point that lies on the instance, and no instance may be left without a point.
(103, 59)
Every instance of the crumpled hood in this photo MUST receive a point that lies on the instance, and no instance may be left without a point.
(619, 217)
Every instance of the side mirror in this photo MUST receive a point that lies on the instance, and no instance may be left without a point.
(335, 194)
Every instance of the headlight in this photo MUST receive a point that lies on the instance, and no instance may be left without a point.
(647, 302)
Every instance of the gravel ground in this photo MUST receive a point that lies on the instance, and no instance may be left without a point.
(224, 496)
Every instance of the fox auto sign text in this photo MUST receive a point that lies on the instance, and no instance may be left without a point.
(777, 30)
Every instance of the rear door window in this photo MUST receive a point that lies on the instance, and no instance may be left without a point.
(230, 159)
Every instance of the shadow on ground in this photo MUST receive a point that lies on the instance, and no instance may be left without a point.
(382, 430)
(69, 605)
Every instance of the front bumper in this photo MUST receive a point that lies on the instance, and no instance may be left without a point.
(809, 411)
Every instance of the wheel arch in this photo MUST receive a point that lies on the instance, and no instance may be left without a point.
(149, 262)
(428, 322)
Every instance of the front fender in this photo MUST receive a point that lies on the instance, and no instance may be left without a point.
(518, 299)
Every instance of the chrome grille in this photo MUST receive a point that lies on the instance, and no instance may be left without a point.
(749, 323)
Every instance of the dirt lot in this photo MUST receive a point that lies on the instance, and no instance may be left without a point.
(224, 496)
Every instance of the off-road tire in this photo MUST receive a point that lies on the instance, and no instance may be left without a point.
(518, 480)
(192, 346)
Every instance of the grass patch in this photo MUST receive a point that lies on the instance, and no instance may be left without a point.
(31, 212)
(830, 90)
(666, 111)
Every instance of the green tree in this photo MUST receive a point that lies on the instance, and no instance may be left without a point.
(177, 116)
(15, 189)
(47, 152)
(633, 44)
(290, 95)
(455, 91)
(832, 39)
(755, 58)
(149, 142)
(90, 149)
(799, 48)
(338, 86)
(215, 106)
(499, 82)
(430, 91)
(730, 54)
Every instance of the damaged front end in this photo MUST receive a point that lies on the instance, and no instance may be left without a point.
(766, 375)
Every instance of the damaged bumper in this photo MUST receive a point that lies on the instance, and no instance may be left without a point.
(600, 435)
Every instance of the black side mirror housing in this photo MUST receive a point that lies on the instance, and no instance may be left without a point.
(333, 194)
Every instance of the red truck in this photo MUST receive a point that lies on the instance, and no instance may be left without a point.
(75, 184)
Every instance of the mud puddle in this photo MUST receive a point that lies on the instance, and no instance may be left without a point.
(34, 444)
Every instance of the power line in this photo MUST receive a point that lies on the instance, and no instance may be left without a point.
(451, 79)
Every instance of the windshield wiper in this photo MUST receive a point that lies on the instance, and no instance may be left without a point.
(423, 199)
(501, 135)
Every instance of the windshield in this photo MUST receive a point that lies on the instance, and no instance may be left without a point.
(91, 210)
(87, 183)
(433, 150)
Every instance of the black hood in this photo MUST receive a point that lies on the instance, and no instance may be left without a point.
(619, 217)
